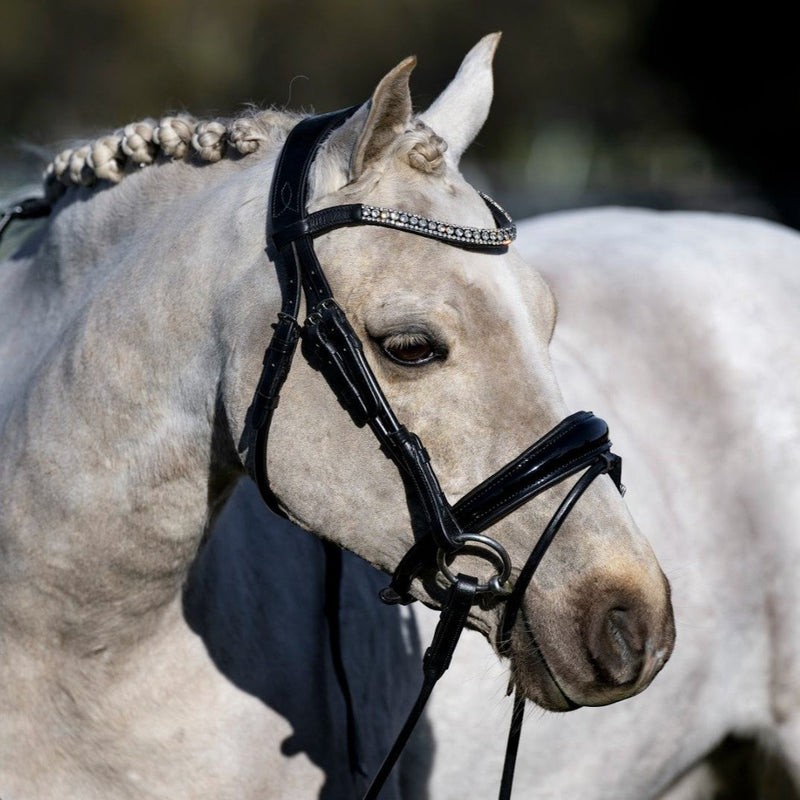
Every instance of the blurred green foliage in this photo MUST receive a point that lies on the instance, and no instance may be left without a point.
(578, 116)
(86, 63)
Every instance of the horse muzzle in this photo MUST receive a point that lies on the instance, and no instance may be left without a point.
(601, 639)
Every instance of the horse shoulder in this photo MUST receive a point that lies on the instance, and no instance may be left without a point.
(684, 326)
(662, 323)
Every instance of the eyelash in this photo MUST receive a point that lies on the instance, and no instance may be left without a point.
(411, 349)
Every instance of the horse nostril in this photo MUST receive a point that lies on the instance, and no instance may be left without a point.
(616, 645)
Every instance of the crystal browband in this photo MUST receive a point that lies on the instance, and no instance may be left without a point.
(436, 229)
(327, 219)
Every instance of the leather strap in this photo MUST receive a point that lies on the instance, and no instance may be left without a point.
(602, 465)
(29, 208)
(576, 443)
(512, 746)
(333, 588)
(567, 449)
(436, 661)
(286, 207)
(327, 219)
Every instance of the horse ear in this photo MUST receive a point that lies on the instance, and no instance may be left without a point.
(461, 109)
(389, 116)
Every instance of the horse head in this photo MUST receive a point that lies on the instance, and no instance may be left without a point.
(456, 337)
(458, 341)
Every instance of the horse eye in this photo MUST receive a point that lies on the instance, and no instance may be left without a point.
(411, 349)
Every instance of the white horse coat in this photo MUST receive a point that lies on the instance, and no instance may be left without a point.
(685, 330)
(259, 595)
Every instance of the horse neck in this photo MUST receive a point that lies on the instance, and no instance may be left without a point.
(116, 445)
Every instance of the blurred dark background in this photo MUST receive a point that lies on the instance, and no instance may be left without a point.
(663, 103)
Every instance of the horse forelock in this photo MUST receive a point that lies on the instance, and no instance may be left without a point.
(178, 137)
(422, 148)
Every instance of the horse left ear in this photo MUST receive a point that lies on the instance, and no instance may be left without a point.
(367, 135)
(461, 109)
(389, 116)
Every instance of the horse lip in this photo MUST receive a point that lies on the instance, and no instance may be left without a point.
(557, 699)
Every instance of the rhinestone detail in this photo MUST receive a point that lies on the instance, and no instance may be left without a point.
(436, 229)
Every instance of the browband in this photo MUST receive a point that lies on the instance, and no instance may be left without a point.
(327, 219)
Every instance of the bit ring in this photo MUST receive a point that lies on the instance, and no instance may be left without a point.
(498, 556)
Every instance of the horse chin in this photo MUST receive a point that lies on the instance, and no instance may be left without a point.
(571, 679)
(533, 677)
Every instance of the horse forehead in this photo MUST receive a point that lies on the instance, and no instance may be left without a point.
(446, 196)
(373, 264)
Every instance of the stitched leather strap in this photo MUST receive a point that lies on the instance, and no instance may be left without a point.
(286, 207)
(327, 219)
(331, 346)
(567, 449)
(576, 443)
(437, 659)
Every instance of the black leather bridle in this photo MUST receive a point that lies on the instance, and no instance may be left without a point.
(577, 444)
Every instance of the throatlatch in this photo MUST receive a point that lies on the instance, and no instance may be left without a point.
(331, 346)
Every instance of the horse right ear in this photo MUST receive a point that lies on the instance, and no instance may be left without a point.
(461, 109)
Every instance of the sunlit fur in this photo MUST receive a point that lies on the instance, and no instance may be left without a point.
(133, 330)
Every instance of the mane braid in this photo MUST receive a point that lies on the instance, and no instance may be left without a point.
(176, 138)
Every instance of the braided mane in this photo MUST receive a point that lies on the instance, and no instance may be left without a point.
(179, 137)
(182, 137)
